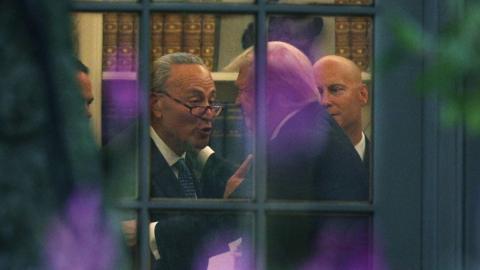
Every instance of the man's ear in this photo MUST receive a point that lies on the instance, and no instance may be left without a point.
(155, 106)
(363, 94)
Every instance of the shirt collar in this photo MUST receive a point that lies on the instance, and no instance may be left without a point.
(282, 123)
(360, 147)
(166, 151)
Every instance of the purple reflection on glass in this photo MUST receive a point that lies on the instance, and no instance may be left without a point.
(80, 239)
(343, 248)
(120, 107)
(223, 252)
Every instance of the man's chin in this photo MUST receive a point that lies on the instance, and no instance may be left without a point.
(200, 144)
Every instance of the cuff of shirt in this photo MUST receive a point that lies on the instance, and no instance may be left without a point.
(152, 241)
(204, 154)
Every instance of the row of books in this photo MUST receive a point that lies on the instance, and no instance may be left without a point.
(119, 42)
(170, 32)
(352, 36)
(229, 137)
(192, 33)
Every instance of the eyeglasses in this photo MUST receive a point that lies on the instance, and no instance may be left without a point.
(197, 111)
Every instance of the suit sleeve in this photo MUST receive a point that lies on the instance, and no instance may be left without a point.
(215, 175)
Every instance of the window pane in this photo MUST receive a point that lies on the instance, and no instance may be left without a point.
(325, 2)
(314, 116)
(107, 45)
(188, 240)
(180, 120)
(308, 241)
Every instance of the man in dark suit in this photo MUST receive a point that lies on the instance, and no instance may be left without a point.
(182, 108)
(309, 157)
(339, 81)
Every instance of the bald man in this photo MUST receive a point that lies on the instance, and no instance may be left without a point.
(339, 81)
(309, 155)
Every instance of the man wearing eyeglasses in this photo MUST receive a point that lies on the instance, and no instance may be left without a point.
(339, 81)
(182, 108)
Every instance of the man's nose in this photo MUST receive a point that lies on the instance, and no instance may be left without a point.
(325, 99)
(209, 114)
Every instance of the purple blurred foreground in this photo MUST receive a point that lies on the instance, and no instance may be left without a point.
(79, 239)
(223, 254)
(343, 250)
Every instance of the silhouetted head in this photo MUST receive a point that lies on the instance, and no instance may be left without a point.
(290, 84)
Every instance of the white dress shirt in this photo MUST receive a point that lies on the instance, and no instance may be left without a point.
(171, 157)
(360, 146)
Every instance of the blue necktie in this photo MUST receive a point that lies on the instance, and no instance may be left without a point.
(185, 178)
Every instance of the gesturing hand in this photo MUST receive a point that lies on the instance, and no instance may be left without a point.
(238, 177)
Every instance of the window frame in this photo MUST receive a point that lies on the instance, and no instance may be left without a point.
(392, 213)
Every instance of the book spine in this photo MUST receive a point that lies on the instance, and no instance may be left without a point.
(157, 36)
(235, 143)
(192, 28)
(110, 33)
(126, 42)
(173, 33)
(217, 140)
(342, 36)
(360, 45)
(208, 40)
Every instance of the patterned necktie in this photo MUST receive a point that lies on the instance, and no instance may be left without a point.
(185, 178)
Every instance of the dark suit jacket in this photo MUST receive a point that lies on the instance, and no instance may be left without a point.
(186, 240)
(183, 238)
(312, 159)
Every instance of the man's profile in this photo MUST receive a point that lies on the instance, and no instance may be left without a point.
(339, 81)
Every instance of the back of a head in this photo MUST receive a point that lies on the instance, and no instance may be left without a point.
(290, 77)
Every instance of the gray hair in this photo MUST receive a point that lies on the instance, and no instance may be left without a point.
(162, 66)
